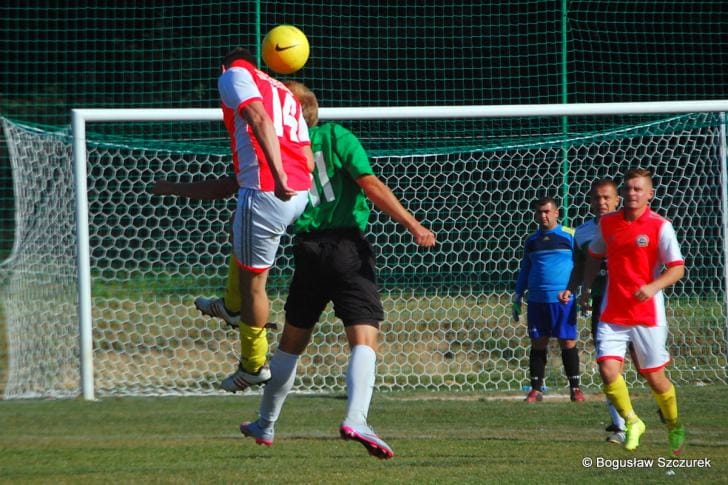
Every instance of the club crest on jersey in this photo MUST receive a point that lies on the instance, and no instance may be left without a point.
(642, 241)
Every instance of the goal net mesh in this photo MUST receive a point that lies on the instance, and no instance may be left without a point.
(448, 323)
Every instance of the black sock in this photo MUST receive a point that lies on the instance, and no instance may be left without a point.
(537, 367)
(570, 358)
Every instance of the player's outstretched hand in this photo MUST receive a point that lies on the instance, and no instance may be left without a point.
(285, 194)
(283, 191)
(423, 236)
(645, 292)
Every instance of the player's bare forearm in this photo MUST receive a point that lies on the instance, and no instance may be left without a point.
(210, 189)
(591, 269)
(577, 275)
(263, 130)
(668, 277)
(310, 162)
(383, 198)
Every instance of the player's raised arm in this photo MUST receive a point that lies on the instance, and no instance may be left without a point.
(262, 126)
(210, 189)
(385, 200)
(669, 277)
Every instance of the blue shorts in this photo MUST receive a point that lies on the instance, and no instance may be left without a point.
(557, 320)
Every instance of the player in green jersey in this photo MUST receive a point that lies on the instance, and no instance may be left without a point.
(333, 263)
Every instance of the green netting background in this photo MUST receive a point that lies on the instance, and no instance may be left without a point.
(56, 55)
(59, 55)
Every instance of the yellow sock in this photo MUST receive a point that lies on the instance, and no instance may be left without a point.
(667, 401)
(253, 347)
(618, 395)
(232, 290)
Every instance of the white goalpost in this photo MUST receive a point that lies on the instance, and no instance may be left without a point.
(448, 324)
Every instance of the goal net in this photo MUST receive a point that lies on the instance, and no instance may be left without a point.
(448, 323)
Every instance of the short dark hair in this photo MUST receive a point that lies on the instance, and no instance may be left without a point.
(598, 184)
(239, 53)
(545, 200)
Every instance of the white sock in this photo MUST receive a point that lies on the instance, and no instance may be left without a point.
(360, 383)
(283, 373)
(617, 420)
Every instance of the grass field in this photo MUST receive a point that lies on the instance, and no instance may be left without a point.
(437, 438)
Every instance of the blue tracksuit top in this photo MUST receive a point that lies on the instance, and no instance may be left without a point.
(548, 260)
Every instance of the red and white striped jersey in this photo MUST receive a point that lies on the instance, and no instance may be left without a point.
(242, 84)
(636, 250)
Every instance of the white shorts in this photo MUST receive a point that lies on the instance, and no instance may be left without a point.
(649, 343)
(260, 221)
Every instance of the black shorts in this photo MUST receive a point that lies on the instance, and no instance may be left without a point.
(335, 265)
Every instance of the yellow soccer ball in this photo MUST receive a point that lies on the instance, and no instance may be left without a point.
(285, 49)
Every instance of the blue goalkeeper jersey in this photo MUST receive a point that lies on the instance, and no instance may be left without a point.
(548, 260)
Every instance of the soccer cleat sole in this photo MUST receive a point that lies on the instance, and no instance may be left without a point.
(373, 448)
(258, 441)
(240, 380)
(240, 387)
(231, 320)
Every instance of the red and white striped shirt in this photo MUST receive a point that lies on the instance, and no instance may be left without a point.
(242, 84)
(636, 250)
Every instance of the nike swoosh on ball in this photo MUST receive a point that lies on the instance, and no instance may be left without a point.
(279, 48)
